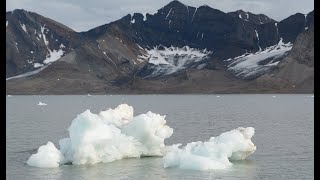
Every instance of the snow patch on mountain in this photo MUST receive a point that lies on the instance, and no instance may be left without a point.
(144, 16)
(30, 73)
(251, 65)
(168, 60)
(53, 56)
(36, 65)
(23, 27)
(44, 36)
(16, 44)
(257, 35)
(168, 13)
(195, 11)
(276, 25)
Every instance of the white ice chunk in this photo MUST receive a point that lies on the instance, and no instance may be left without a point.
(150, 130)
(213, 154)
(112, 135)
(41, 104)
(115, 134)
(48, 156)
(92, 141)
(118, 116)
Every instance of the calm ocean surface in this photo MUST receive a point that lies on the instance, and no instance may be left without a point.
(283, 123)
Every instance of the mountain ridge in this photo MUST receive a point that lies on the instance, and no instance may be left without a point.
(115, 56)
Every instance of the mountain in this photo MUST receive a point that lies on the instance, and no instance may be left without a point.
(253, 18)
(34, 41)
(295, 72)
(178, 49)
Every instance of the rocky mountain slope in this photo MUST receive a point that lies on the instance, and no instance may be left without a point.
(296, 71)
(178, 49)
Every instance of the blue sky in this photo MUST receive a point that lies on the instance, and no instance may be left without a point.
(82, 15)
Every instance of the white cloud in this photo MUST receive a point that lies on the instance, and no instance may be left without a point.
(82, 15)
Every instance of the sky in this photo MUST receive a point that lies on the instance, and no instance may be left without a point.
(82, 15)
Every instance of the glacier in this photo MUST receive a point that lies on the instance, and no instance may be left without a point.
(252, 65)
(115, 134)
(164, 61)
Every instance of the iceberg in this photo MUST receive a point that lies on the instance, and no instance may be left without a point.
(215, 153)
(115, 134)
(111, 135)
(48, 156)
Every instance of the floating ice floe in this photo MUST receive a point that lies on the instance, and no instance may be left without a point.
(41, 104)
(213, 154)
(47, 156)
(116, 134)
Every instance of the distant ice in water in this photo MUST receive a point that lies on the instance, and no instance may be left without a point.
(9, 96)
(41, 104)
(274, 96)
(115, 134)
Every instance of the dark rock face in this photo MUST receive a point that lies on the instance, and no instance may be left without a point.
(290, 27)
(253, 18)
(109, 55)
(268, 34)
